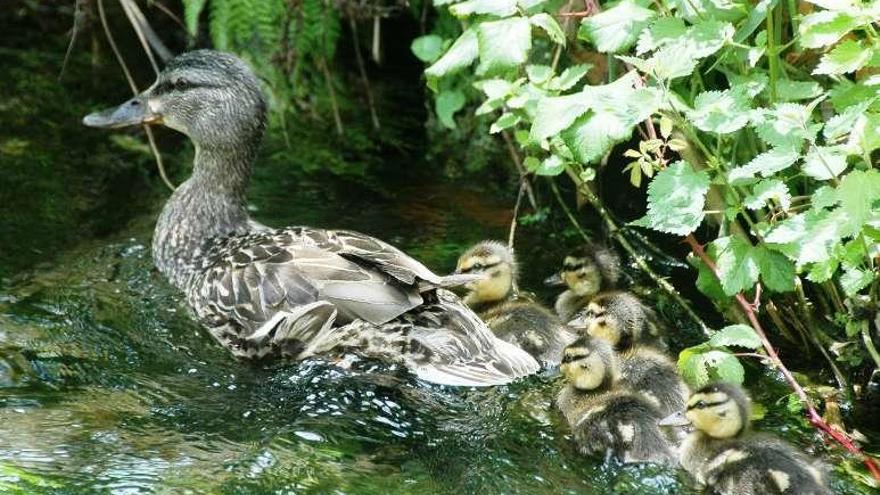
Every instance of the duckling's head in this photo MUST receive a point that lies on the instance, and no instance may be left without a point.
(589, 363)
(720, 410)
(610, 317)
(212, 97)
(496, 264)
(588, 270)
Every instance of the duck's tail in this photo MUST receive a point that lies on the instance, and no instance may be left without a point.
(443, 342)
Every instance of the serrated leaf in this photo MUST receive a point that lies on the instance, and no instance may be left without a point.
(506, 121)
(555, 113)
(808, 237)
(552, 165)
(691, 366)
(777, 271)
(503, 44)
(825, 27)
(823, 271)
(497, 8)
(616, 29)
(427, 48)
(569, 77)
(848, 56)
(786, 125)
(539, 74)
(676, 198)
(550, 26)
(702, 365)
(854, 280)
(447, 103)
(865, 134)
(825, 162)
(766, 190)
(720, 112)
(495, 88)
(736, 335)
(662, 31)
(737, 267)
(789, 90)
(840, 125)
(858, 192)
(707, 281)
(766, 164)
(461, 54)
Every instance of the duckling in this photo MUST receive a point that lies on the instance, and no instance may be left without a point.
(651, 372)
(722, 454)
(585, 271)
(620, 318)
(606, 415)
(298, 291)
(512, 317)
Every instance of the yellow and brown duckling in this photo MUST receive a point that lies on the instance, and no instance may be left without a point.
(512, 317)
(585, 272)
(620, 318)
(607, 417)
(725, 456)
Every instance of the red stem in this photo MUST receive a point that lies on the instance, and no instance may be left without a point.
(813, 416)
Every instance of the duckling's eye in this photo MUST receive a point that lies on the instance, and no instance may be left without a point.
(477, 266)
(700, 404)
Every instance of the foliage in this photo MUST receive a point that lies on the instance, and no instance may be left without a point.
(768, 121)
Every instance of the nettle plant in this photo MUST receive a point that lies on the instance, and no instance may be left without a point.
(758, 123)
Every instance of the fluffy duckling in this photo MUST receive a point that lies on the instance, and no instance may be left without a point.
(585, 272)
(620, 318)
(606, 416)
(722, 454)
(513, 318)
(652, 373)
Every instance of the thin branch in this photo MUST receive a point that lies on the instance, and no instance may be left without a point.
(363, 70)
(511, 233)
(148, 38)
(514, 156)
(813, 416)
(134, 90)
(568, 213)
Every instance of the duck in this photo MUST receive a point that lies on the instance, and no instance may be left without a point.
(294, 292)
(724, 455)
(620, 318)
(585, 272)
(607, 417)
(514, 317)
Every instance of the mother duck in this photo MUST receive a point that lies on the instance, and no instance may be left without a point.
(298, 291)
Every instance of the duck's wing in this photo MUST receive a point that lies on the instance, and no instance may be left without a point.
(252, 278)
(384, 256)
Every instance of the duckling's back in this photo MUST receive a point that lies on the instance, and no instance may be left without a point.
(649, 371)
(530, 326)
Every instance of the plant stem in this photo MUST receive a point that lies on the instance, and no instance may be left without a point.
(523, 173)
(869, 343)
(813, 416)
(363, 71)
(567, 210)
(771, 54)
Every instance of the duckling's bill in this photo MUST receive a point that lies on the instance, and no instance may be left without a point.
(554, 280)
(675, 419)
(133, 112)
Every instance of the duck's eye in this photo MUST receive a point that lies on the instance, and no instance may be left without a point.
(181, 84)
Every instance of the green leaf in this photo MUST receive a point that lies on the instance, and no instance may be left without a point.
(854, 280)
(809, 237)
(721, 112)
(865, 134)
(701, 365)
(824, 28)
(675, 200)
(461, 54)
(736, 335)
(858, 192)
(691, 366)
(555, 113)
(616, 110)
(840, 125)
(539, 74)
(766, 164)
(449, 102)
(823, 271)
(737, 267)
(497, 8)
(766, 190)
(192, 9)
(777, 271)
(550, 26)
(616, 29)
(786, 125)
(506, 121)
(662, 31)
(569, 77)
(846, 57)
(789, 90)
(552, 165)
(503, 44)
(757, 15)
(707, 282)
(825, 162)
(427, 48)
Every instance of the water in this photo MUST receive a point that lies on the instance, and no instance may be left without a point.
(107, 385)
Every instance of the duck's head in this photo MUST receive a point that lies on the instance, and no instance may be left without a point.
(496, 264)
(720, 410)
(606, 317)
(589, 363)
(212, 97)
(587, 270)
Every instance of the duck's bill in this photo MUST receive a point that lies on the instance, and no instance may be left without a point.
(554, 280)
(133, 112)
(675, 419)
